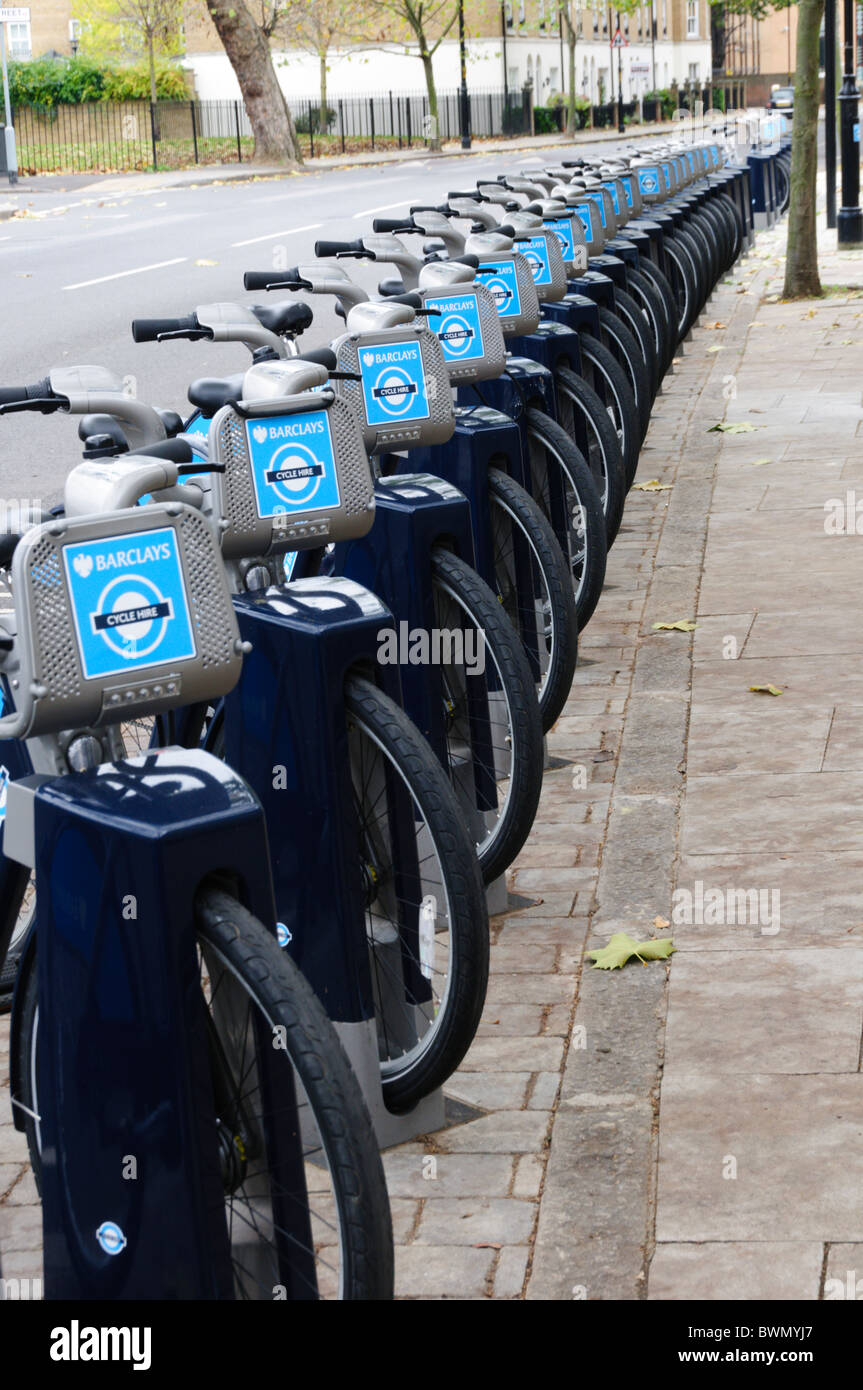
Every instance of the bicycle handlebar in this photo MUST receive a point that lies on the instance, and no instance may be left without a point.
(325, 249)
(395, 224)
(275, 280)
(324, 356)
(38, 397)
(151, 330)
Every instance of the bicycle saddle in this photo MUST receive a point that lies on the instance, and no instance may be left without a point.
(210, 393)
(283, 318)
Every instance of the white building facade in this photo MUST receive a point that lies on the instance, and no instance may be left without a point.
(543, 61)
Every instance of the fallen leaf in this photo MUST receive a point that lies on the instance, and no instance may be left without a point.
(661, 923)
(739, 427)
(621, 948)
(487, 1245)
(716, 348)
(717, 324)
(682, 625)
(757, 463)
(603, 757)
(202, 262)
(766, 689)
(652, 485)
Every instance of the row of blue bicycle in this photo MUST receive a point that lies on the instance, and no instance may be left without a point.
(274, 680)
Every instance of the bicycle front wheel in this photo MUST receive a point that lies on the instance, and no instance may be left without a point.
(313, 1220)
(426, 918)
(534, 586)
(494, 730)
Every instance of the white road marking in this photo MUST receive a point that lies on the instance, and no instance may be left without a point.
(139, 270)
(271, 236)
(385, 207)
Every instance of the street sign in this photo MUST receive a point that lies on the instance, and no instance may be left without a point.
(619, 41)
(19, 15)
(639, 67)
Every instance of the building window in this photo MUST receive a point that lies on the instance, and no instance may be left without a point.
(542, 14)
(692, 19)
(521, 12)
(665, 16)
(18, 38)
(507, 11)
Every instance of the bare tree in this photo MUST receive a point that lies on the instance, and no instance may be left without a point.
(429, 22)
(317, 27)
(151, 27)
(246, 41)
(802, 280)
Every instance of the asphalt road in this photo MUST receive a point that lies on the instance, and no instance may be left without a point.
(81, 266)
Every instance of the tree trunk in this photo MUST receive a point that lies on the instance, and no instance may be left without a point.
(324, 124)
(248, 50)
(151, 55)
(428, 69)
(571, 119)
(801, 264)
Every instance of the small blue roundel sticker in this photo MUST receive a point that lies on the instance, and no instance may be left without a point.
(111, 1238)
(283, 935)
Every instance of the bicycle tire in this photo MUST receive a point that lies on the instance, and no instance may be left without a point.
(559, 611)
(684, 286)
(637, 320)
(583, 416)
(516, 767)
(606, 368)
(653, 304)
(230, 937)
(409, 1074)
(663, 287)
(626, 349)
(583, 507)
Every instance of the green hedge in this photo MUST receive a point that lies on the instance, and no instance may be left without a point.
(667, 99)
(49, 82)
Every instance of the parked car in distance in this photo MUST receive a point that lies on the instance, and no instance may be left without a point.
(782, 99)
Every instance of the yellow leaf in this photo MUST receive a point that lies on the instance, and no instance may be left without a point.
(652, 485)
(661, 922)
(757, 463)
(621, 947)
(202, 262)
(715, 348)
(766, 689)
(682, 625)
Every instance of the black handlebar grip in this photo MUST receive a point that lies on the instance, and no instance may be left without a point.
(325, 357)
(270, 279)
(173, 450)
(150, 330)
(394, 224)
(325, 249)
(471, 193)
(39, 391)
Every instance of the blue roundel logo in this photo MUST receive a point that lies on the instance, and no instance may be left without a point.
(283, 936)
(111, 1238)
(394, 390)
(649, 183)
